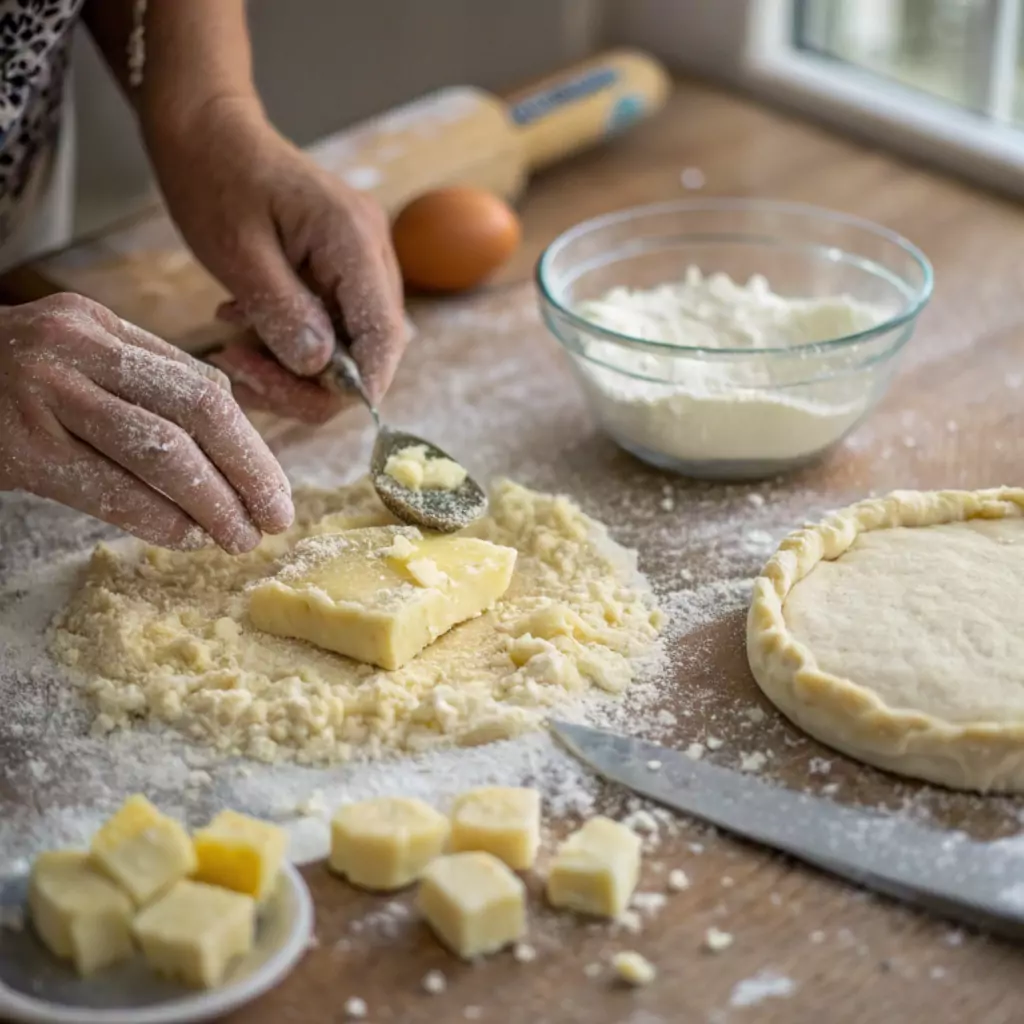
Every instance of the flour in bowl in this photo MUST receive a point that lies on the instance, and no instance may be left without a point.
(746, 405)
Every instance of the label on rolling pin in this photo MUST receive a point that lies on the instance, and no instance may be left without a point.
(575, 108)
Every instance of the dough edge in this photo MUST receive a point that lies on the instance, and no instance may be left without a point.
(986, 756)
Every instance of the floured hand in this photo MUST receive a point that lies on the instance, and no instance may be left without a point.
(102, 416)
(298, 249)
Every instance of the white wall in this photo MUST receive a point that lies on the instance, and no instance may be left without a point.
(323, 64)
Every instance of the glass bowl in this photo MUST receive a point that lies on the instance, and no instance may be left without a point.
(733, 413)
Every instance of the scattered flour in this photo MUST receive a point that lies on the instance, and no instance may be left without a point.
(695, 409)
(766, 984)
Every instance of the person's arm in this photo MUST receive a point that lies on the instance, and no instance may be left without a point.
(301, 253)
(194, 53)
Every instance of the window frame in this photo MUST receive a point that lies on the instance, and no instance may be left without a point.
(978, 146)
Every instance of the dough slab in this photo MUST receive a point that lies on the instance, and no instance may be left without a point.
(894, 632)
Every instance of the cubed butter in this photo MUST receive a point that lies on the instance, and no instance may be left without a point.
(240, 853)
(78, 912)
(381, 594)
(596, 869)
(142, 850)
(193, 932)
(473, 902)
(503, 821)
(385, 844)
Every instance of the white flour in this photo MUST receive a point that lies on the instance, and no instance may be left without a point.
(755, 408)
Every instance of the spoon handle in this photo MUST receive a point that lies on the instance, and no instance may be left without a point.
(342, 374)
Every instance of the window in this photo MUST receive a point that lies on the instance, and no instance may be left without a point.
(942, 78)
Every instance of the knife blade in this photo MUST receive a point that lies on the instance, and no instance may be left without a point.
(949, 874)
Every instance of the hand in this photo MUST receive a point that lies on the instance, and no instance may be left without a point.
(297, 248)
(102, 416)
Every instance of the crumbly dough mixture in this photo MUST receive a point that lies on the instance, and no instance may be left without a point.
(162, 636)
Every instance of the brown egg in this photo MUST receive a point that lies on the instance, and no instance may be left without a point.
(452, 239)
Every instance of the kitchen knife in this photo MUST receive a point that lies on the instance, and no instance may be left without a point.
(947, 873)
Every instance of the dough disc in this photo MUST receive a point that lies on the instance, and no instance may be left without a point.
(894, 632)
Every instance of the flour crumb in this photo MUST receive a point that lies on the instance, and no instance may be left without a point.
(630, 921)
(936, 973)
(766, 984)
(816, 938)
(654, 766)
(677, 880)
(754, 715)
(755, 499)
(434, 983)
(524, 953)
(473, 1013)
(695, 751)
(312, 806)
(715, 940)
(592, 970)
(692, 178)
(648, 902)
(819, 766)
(633, 968)
(356, 1008)
(714, 743)
(753, 761)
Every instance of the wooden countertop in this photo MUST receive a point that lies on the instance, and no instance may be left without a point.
(952, 418)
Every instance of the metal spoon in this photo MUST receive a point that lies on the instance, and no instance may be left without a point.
(436, 510)
(36, 987)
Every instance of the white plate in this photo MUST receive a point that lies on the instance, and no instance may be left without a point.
(38, 988)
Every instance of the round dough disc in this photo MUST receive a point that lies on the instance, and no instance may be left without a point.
(894, 631)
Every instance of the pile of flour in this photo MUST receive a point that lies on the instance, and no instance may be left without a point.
(742, 409)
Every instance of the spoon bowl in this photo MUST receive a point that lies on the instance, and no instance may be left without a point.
(431, 509)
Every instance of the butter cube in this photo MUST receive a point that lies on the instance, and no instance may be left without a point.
(381, 594)
(193, 932)
(596, 869)
(142, 850)
(78, 912)
(385, 844)
(240, 853)
(502, 821)
(473, 902)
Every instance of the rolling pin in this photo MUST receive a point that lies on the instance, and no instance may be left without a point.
(466, 136)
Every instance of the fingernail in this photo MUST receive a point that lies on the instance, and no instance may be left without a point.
(279, 514)
(243, 540)
(314, 351)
